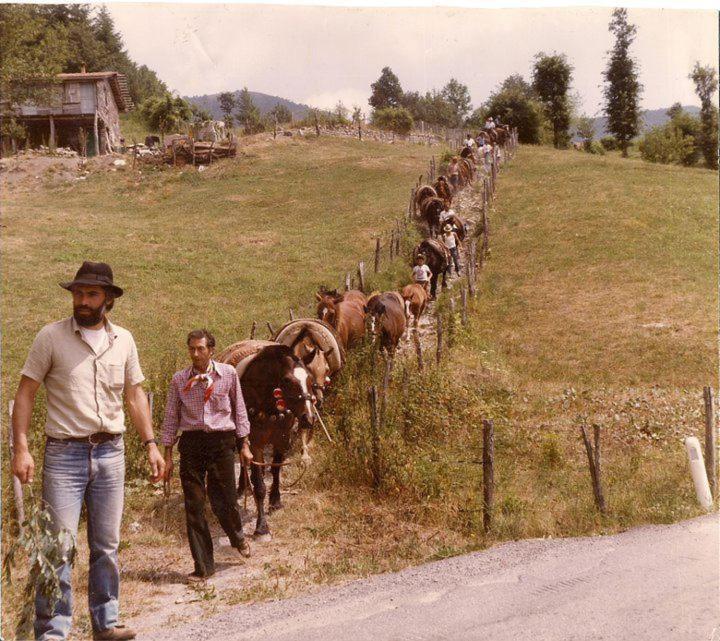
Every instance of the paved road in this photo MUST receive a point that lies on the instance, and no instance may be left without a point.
(657, 582)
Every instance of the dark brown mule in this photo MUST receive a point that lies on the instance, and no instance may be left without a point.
(387, 319)
(416, 300)
(430, 214)
(345, 313)
(467, 171)
(437, 257)
(276, 390)
(422, 193)
(444, 191)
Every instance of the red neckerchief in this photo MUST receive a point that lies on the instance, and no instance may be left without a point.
(205, 376)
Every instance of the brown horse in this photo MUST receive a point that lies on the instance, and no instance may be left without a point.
(430, 214)
(416, 300)
(426, 191)
(276, 390)
(387, 319)
(345, 313)
(467, 171)
(444, 190)
(458, 223)
(438, 258)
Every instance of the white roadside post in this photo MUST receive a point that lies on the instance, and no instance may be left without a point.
(698, 473)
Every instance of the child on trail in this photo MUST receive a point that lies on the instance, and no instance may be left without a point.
(422, 273)
(451, 241)
(454, 171)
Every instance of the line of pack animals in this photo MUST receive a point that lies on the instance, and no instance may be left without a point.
(284, 379)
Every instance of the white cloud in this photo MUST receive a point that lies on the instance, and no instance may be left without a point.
(349, 96)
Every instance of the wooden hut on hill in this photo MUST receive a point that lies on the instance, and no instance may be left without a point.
(80, 110)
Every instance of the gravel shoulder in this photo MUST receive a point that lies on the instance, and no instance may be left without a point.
(653, 582)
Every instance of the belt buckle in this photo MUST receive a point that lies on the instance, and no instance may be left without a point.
(90, 438)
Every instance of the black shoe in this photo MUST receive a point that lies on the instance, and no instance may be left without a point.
(196, 577)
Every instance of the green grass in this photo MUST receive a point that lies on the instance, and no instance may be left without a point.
(589, 254)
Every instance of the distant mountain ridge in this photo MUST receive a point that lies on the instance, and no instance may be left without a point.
(264, 102)
(650, 118)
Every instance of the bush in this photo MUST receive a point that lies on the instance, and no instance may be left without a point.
(594, 147)
(395, 119)
(667, 145)
(609, 143)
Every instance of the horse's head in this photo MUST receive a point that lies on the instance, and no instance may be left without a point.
(295, 391)
(374, 311)
(312, 356)
(326, 308)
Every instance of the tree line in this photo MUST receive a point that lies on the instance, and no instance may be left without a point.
(544, 111)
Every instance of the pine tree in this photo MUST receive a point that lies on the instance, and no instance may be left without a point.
(551, 82)
(248, 115)
(622, 89)
(386, 90)
(706, 84)
(458, 96)
(227, 103)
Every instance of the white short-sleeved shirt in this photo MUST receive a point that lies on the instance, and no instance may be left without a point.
(84, 388)
(421, 273)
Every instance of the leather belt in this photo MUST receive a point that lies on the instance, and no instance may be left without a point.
(94, 439)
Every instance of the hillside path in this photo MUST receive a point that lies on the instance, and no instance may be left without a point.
(653, 582)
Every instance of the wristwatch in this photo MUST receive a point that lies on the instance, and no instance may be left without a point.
(150, 440)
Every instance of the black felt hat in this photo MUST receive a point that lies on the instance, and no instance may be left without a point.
(99, 274)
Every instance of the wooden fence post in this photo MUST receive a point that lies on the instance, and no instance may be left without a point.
(17, 486)
(377, 255)
(374, 435)
(252, 330)
(710, 439)
(451, 323)
(348, 282)
(418, 350)
(439, 352)
(270, 329)
(488, 471)
(291, 314)
(463, 305)
(593, 455)
(391, 248)
(486, 237)
(361, 275)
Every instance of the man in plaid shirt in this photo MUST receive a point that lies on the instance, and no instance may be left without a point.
(205, 403)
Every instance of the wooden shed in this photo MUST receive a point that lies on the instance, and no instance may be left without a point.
(81, 107)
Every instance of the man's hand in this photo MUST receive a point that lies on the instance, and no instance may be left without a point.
(157, 463)
(23, 466)
(246, 456)
(169, 465)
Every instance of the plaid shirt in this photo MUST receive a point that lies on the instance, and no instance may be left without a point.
(187, 410)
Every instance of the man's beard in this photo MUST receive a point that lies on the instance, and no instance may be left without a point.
(88, 320)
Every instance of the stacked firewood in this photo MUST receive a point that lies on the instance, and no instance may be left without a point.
(185, 150)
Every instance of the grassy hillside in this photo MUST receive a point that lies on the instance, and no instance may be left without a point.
(598, 304)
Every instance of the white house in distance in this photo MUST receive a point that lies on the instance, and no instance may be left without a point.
(81, 106)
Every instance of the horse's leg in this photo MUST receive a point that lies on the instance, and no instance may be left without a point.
(275, 502)
(433, 285)
(305, 446)
(258, 481)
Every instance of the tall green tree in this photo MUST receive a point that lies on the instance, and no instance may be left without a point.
(622, 87)
(458, 96)
(247, 114)
(31, 54)
(282, 113)
(227, 103)
(706, 84)
(514, 101)
(551, 81)
(166, 113)
(386, 90)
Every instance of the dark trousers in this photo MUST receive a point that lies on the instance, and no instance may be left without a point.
(209, 456)
(456, 259)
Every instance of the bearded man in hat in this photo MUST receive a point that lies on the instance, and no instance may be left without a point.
(87, 365)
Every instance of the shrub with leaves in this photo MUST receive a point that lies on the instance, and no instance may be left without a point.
(46, 550)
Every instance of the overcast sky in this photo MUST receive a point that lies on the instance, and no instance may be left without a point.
(320, 55)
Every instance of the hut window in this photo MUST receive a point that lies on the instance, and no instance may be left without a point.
(72, 92)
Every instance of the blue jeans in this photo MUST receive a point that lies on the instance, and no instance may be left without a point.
(95, 474)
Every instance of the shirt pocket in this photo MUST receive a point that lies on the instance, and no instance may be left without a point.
(220, 403)
(113, 374)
